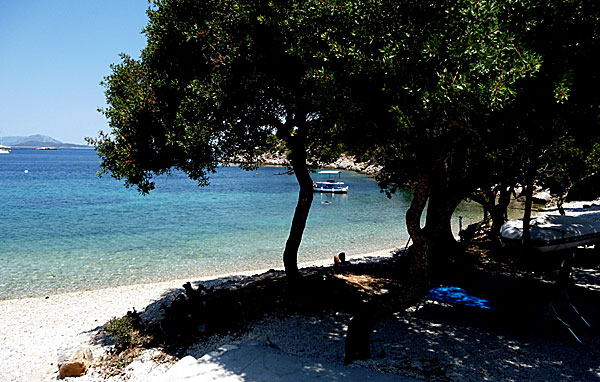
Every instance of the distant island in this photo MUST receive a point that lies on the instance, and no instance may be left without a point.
(37, 141)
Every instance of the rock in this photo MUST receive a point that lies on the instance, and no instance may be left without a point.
(74, 362)
(542, 197)
(344, 162)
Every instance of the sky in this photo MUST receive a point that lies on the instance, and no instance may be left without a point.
(53, 56)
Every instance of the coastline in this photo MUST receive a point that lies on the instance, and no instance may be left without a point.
(49, 244)
(35, 329)
(344, 162)
(202, 278)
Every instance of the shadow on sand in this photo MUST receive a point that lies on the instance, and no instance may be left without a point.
(521, 338)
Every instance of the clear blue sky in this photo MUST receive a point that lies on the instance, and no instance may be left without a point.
(53, 55)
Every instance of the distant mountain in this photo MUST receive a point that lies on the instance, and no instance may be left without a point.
(14, 141)
(37, 140)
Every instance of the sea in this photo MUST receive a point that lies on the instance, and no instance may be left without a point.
(64, 229)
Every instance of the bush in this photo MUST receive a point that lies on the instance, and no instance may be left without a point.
(125, 330)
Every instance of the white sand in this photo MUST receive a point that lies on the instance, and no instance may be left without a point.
(425, 343)
(33, 330)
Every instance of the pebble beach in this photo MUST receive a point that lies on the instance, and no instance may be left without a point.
(35, 330)
(431, 341)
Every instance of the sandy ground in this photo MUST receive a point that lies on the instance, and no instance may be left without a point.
(433, 341)
(34, 330)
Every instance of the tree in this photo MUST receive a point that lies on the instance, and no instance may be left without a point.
(449, 96)
(477, 96)
(437, 70)
(548, 134)
(219, 80)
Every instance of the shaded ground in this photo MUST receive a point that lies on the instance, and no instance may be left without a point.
(525, 336)
(236, 305)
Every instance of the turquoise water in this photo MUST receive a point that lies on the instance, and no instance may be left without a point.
(63, 229)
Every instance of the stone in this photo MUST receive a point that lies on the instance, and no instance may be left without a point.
(74, 362)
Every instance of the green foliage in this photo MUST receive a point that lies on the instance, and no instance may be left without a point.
(126, 332)
(450, 96)
(217, 80)
(423, 75)
(553, 119)
(510, 84)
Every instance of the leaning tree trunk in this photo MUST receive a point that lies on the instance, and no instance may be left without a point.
(305, 198)
(419, 251)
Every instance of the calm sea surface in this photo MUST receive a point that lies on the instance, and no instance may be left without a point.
(63, 229)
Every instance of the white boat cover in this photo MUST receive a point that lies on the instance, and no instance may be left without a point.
(552, 232)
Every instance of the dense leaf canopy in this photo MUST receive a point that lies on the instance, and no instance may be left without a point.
(452, 97)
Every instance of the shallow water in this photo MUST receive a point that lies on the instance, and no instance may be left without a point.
(62, 228)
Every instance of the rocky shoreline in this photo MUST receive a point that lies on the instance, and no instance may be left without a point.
(344, 162)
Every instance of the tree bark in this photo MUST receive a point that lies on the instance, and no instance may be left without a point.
(305, 198)
(443, 247)
(499, 211)
(419, 254)
(527, 212)
(443, 200)
(432, 243)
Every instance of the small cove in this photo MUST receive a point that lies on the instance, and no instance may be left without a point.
(64, 229)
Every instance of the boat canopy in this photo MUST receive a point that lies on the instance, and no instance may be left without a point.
(330, 185)
(552, 232)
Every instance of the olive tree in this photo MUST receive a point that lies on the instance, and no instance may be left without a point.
(221, 81)
(434, 71)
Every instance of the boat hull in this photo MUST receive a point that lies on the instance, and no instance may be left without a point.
(552, 233)
(343, 190)
(330, 187)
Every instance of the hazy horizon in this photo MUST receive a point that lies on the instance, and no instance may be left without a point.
(55, 54)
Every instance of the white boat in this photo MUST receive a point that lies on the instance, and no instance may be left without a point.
(46, 148)
(551, 233)
(5, 149)
(331, 184)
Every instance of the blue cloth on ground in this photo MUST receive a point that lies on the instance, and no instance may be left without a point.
(458, 296)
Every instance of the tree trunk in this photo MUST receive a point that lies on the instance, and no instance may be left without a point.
(435, 242)
(482, 198)
(499, 211)
(527, 212)
(559, 204)
(443, 247)
(419, 253)
(305, 197)
(434, 245)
